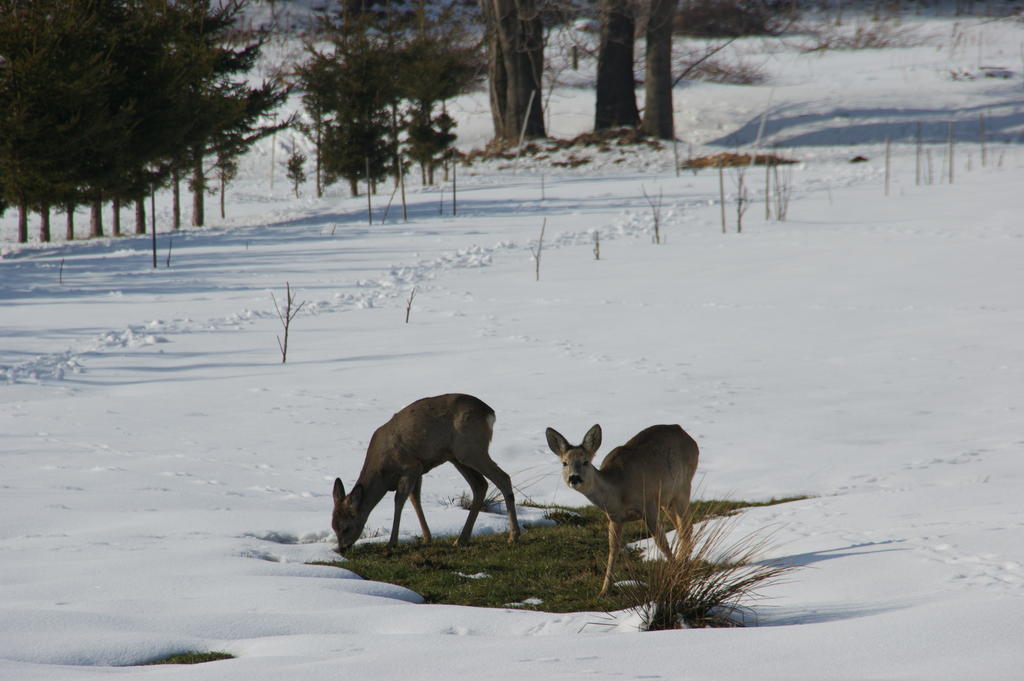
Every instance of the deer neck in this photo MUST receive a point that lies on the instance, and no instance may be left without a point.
(603, 492)
(374, 490)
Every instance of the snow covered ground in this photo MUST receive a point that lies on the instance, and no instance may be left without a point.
(165, 479)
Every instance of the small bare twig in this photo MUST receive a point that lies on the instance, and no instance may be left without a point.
(655, 213)
(286, 316)
(742, 197)
(721, 194)
(60, 275)
(888, 164)
(369, 193)
(783, 190)
(597, 245)
(952, 143)
(408, 304)
(537, 251)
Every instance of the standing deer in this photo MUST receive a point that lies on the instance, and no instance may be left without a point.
(653, 471)
(422, 436)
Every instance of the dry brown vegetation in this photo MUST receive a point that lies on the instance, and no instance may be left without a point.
(728, 159)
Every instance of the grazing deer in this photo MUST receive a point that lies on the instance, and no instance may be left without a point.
(652, 471)
(423, 435)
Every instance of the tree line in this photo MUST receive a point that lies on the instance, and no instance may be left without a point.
(104, 101)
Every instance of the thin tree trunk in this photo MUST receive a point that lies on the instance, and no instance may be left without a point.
(394, 143)
(198, 191)
(140, 215)
(22, 222)
(44, 223)
(319, 161)
(69, 212)
(223, 190)
(96, 219)
(175, 199)
(616, 87)
(515, 53)
(115, 216)
(658, 119)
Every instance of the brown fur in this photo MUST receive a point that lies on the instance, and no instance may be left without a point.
(652, 472)
(425, 434)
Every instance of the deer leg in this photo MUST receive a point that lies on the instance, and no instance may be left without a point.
(405, 486)
(478, 486)
(653, 521)
(414, 497)
(614, 546)
(504, 484)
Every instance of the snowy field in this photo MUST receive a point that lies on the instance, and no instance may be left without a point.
(165, 480)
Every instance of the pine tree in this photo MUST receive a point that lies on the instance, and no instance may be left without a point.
(355, 81)
(438, 62)
(224, 109)
(52, 105)
(296, 173)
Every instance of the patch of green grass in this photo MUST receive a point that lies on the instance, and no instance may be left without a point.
(193, 658)
(562, 565)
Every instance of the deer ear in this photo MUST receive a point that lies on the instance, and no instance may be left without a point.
(556, 442)
(356, 497)
(592, 440)
(339, 491)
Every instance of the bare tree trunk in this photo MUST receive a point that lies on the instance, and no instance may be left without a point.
(198, 191)
(616, 87)
(69, 212)
(658, 120)
(175, 199)
(96, 218)
(115, 216)
(44, 223)
(515, 54)
(319, 159)
(22, 222)
(140, 215)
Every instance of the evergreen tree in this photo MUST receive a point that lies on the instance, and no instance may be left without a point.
(225, 109)
(106, 99)
(437, 63)
(296, 172)
(52, 105)
(355, 83)
(317, 78)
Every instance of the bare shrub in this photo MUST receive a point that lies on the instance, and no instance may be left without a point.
(720, 70)
(286, 315)
(864, 35)
(732, 18)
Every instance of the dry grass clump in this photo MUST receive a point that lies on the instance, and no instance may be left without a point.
(710, 582)
(727, 159)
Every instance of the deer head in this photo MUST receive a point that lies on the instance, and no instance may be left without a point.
(347, 520)
(577, 469)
